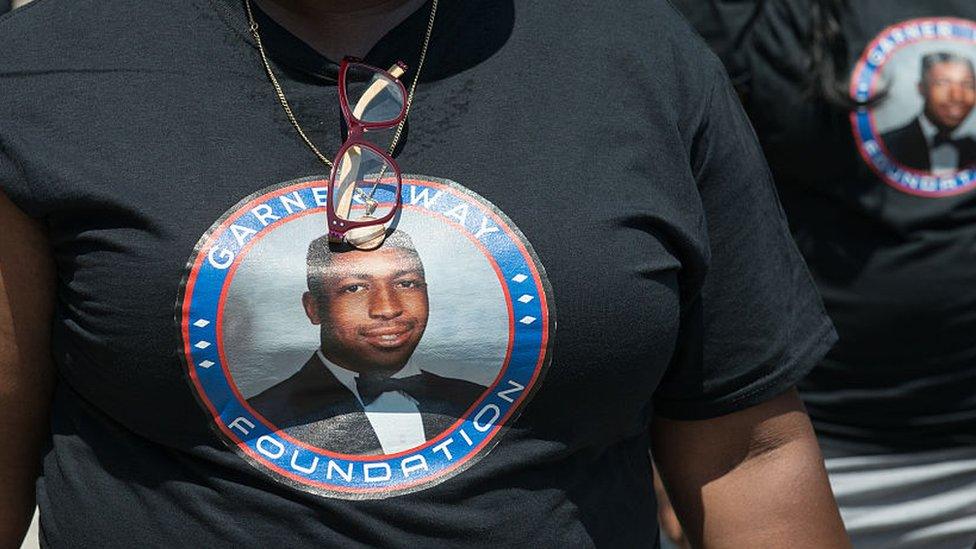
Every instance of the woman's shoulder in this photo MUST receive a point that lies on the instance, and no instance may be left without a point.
(46, 33)
(648, 45)
(651, 26)
(60, 37)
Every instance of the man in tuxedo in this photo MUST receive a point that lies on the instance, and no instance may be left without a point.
(932, 141)
(359, 393)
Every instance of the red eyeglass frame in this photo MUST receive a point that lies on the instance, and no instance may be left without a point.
(338, 226)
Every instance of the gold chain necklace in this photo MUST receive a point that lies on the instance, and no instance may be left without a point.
(284, 101)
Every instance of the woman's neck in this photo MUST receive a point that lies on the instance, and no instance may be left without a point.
(337, 28)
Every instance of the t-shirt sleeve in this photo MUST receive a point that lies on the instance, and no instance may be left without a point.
(15, 186)
(752, 322)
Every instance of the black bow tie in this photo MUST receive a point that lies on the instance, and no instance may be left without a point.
(944, 138)
(370, 387)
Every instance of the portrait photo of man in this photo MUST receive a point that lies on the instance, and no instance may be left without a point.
(935, 141)
(360, 392)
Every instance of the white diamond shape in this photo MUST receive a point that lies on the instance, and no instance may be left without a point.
(526, 298)
(201, 323)
(519, 278)
(206, 364)
(527, 320)
(202, 345)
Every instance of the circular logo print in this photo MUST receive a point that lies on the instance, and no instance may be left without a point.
(919, 135)
(364, 374)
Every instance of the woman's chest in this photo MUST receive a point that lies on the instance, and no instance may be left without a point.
(546, 277)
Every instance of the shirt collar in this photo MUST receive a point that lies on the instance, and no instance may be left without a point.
(348, 377)
(930, 130)
(401, 43)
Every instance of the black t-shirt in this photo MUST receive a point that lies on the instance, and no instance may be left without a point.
(881, 203)
(210, 347)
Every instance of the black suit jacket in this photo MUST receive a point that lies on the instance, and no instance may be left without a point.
(909, 148)
(314, 407)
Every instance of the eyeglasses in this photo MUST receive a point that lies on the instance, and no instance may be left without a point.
(365, 182)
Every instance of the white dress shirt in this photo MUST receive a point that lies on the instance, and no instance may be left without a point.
(944, 159)
(394, 415)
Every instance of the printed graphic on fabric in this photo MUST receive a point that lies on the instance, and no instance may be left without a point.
(364, 374)
(359, 392)
(921, 137)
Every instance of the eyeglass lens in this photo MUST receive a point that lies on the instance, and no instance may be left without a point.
(365, 185)
(373, 97)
